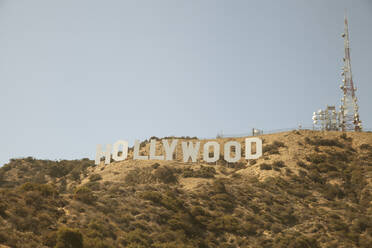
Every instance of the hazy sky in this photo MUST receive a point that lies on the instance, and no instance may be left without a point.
(76, 73)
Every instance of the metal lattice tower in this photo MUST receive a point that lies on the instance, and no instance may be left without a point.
(349, 115)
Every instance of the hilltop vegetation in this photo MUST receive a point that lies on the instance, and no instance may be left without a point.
(309, 189)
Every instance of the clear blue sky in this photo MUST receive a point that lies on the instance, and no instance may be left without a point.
(74, 74)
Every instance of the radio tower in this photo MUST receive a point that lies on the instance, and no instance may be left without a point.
(349, 116)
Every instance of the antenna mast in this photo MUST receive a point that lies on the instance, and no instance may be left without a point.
(349, 115)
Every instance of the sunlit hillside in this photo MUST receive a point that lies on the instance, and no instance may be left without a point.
(309, 189)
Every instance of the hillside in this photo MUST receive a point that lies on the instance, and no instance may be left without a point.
(309, 189)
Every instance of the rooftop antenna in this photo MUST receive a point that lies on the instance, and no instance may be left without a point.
(349, 115)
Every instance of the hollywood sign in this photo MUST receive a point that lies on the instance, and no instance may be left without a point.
(189, 150)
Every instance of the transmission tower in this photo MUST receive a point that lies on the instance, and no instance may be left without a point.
(349, 115)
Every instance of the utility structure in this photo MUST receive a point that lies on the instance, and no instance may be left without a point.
(349, 115)
(347, 119)
(327, 119)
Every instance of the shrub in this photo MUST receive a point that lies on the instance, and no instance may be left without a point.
(344, 137)
(273, 148)
(75, 174)
(295, 240)
(278, 144)
(155, 166)
(288, 171)
(238, 165)
(302, 164)
(302, 173)
(203, 172)
(96, 243)
(57, 170)
(316, 158)
(3, 207)
(45, 189)
(99, 228)
(95, 177)
(252, 162)
(316, 177)
(182, 221)
(85, 195)
(95, 186)
(225, 223)
(279, 164)
(265, 166)
(365, 147)
(218, 186)
(324, 142)
(224, 201)
(168, 200)
(152, 196)
(165, 174)
(270, 149)
(332, 191)
(325, 167)
(339, 156)
(69, 238)
(136, 238)
(50, 239)
(139, 176)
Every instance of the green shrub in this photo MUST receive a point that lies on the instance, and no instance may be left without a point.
(95, 177)
(295, 240)
(225, 223)
(103, 229)
(265, 166)
(288, 171)
(218, 186)
(3, 207)
(182, 221)
(140, 176)
(324, 142)
(316, 158)
(75, 174)
(165, 174)
(96, 242)
(365, 147)
(325, 167)
(223, 201)
(279, 164)
(344, 137)
(316, 177)
(46, 190)
(95, 186)
(50, 239)
(270, 149)
(69, 238)
(57, 170)
(152, 196)
(155, 166)
(332, 191)
(203, 172)
(301, 164)
(252, 162)
(273, 148)
(136, 238)
(302, 173)
(85, 195)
